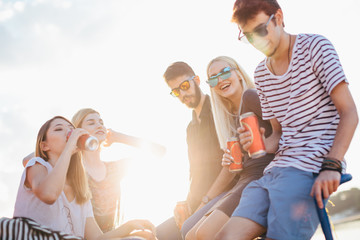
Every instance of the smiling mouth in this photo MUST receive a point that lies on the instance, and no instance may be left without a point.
(225, 86)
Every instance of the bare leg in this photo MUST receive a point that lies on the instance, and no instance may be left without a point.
(212, 225)
(238, 228)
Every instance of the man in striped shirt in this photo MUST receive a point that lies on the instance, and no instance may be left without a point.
(305, 95)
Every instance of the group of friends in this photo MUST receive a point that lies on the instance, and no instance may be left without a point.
(307, 116)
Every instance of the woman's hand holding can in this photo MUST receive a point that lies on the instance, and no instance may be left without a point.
(227, 159)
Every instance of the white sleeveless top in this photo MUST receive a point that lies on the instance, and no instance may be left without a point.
(62, 215)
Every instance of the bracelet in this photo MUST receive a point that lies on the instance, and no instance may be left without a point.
(331, 164)
(205, 199)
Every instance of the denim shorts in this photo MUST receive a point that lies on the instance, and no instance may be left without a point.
(281, 202)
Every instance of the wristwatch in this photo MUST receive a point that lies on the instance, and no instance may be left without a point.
(205, 199)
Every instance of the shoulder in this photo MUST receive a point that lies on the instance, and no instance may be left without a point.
(312, 40)
(35, 170)
(250, 95)
(190, 125)
(37, 161)
(251, 102)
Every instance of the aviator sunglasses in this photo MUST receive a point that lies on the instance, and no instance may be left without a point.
(224, 74)
(185, 85)
(260, 31)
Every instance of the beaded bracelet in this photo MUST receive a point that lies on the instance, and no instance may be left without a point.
(331, 164)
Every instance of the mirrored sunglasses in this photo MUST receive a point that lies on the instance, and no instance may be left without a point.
(185, 85)
(224, 74)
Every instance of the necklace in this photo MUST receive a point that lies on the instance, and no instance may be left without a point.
(272, 69)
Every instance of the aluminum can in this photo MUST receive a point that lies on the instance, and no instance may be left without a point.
(182, 212)
(86, 142)
(233, 145)
(250, 122)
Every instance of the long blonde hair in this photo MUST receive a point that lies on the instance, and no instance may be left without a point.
(80, 115)
(78, 120)
(222, 107)
(75, 173)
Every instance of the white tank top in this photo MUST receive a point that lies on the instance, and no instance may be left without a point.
(62, 215)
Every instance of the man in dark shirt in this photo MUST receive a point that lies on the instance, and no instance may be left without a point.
(203, 147)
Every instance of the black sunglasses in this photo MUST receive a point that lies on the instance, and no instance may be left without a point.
(260, 31)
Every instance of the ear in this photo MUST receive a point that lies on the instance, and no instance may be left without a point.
(44, 146)
(197, 80)
(279, 18)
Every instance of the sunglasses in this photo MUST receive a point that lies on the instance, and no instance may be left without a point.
(185, 85)
(224, 74)
(260, 31)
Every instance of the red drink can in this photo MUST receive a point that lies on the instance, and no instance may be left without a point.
(182, 212)
(250, 122)
(233, 145)
(86, 142)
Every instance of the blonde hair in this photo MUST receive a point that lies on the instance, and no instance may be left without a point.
(222, 107)
(80, 115)
(76, 171)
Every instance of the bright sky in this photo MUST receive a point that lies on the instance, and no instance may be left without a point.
(57, 56)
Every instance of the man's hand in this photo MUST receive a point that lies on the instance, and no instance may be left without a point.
(325, 184)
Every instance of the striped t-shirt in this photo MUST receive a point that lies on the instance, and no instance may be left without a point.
(300, 101)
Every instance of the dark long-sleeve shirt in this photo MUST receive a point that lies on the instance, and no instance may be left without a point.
(204, 154)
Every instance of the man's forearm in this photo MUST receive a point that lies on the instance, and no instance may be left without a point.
(344, 135)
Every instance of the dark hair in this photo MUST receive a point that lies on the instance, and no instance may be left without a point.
(178, 69)
(42, 137)
(245, 10)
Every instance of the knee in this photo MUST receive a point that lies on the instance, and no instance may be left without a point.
(203, 234)
(143, 235)
(223, 235)
(190, 235)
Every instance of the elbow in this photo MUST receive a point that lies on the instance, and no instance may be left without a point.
(47, 197)
(350, 117)
(356, 118)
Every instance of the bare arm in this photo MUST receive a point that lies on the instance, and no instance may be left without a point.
(345, 105)
(272, 142)
(93, 232)
(48, 186)
(220, 183)
(118, 137)
(328, 181)
(27, 158)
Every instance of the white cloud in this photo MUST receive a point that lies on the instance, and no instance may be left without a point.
(46, 29)
(63, 3)
(6, 14)
(4, 192)
(19, 6)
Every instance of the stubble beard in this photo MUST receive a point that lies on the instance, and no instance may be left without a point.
(197, 97)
